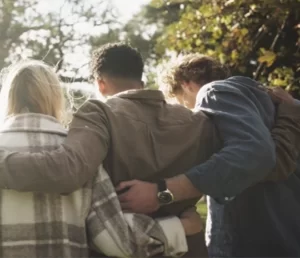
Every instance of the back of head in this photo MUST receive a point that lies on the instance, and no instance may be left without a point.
(119, 63)
(32, 86)
(200, 69)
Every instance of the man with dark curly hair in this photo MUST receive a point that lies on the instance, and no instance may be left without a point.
(138, 136)
(117, 68)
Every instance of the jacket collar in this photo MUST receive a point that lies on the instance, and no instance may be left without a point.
(32, 122)
(154, 95)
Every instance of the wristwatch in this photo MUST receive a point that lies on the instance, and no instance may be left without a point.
(164, 195)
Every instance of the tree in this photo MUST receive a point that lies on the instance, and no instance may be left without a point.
(142, 32)
(27, 30)
(256, 38)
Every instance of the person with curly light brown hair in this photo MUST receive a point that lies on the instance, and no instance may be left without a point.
(183, 77)
(235, 104)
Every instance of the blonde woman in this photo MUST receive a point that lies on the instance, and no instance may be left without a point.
(52, 225)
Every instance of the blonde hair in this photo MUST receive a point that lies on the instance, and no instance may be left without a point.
(32, 86)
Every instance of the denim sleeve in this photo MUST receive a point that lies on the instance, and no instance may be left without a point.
(248, 153)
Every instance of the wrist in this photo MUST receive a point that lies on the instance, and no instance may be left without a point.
(164, 195)
(191, 225)
(185, 225)
(182, 188)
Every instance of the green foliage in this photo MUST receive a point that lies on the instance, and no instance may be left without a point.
(142, 32)
(256, 38)
(139, 32)
(202, 210)
(31, 29)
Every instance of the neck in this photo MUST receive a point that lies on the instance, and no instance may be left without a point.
(120, 85)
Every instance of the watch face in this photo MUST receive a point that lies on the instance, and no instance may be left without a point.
(165, 197)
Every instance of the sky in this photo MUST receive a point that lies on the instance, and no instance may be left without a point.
(125, 8)
(128, 7)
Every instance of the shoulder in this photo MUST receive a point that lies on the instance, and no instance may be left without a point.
(32, 132)
(236, 87)
(93, 109)
(233, 84)
(93, 105)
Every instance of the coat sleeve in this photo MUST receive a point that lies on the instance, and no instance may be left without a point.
(248, 152)
(117, 234)
(67, 168)
(286, 135)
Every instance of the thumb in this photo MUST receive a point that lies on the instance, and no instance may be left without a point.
(125, 184)
(188, 212)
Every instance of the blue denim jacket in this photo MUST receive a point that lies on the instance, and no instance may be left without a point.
(243, 114)
(262, 220)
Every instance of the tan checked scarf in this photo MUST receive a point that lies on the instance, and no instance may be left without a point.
(52, 225)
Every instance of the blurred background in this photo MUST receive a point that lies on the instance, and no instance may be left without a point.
(255, 38)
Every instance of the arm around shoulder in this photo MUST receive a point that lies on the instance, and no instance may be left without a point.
(119, 234)
(286, 135)
(67, 168)
(248, 153)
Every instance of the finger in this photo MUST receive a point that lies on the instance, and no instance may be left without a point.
(274, 98)
(126, 206)
(123, 197)
(125, 184)
(282, 93)
(127, 196)
(188, 212)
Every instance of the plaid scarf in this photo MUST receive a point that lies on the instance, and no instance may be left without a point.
(52, 225)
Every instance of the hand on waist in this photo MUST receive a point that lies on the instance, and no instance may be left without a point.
(191, 222)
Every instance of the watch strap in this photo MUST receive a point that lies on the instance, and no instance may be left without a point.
(162, 185)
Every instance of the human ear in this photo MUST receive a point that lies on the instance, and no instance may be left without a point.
(101, 86)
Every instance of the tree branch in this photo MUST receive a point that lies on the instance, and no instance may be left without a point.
(67, 79)
(272, 47)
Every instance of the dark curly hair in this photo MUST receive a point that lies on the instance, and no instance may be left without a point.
(117, 60)
(197, 68)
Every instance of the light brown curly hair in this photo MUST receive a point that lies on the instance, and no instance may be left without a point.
(200, 69)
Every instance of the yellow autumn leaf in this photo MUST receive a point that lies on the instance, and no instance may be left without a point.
(198, 42)
(210, 52)
(279, 82)
(268, 57)
(225, 44)
(222, 58)
(244, 31)
(234, 55)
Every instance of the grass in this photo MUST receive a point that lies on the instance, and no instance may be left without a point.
(202, 209)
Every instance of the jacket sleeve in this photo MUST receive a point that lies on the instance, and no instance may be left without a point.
(67, 168)
(118, 234)
(286, 135)
(248, 153)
